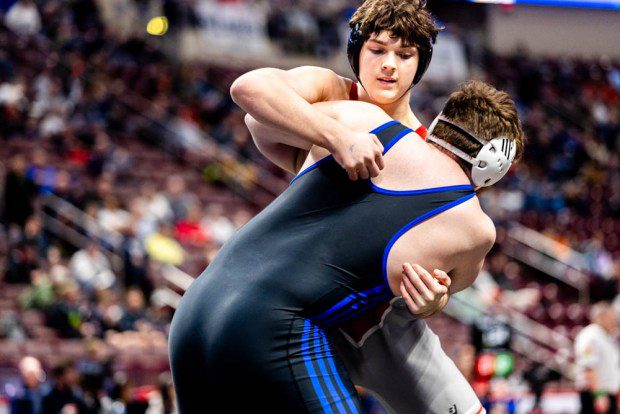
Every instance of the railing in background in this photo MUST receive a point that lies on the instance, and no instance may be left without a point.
(73, 225)
(549, 256)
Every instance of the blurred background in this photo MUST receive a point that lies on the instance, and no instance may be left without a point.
(125, 165)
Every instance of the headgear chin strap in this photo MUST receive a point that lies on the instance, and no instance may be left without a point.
(492, 161)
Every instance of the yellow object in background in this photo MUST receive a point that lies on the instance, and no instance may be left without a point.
(157, 26)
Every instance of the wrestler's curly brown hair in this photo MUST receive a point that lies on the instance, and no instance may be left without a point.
(484, 111)
(408, 20)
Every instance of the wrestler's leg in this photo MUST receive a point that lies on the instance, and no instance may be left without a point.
(401, 361)
(323, 382)
(277, 363)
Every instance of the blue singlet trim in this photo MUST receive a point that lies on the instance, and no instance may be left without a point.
(322, 160)
(310, 168)
(415, 222)
(384, 126)
(397, 138)
(464, 187)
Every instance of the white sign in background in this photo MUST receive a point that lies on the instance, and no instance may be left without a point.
(234, 28)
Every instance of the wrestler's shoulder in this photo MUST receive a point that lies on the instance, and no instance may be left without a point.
(477, 224)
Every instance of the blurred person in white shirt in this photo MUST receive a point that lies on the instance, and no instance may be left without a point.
(24, 18)
(598, 361)
(91, 269)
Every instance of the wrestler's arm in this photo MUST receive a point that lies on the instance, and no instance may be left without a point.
(282, 100)
(357, 116)
(270, 142)
(427, 294)
(467, 271)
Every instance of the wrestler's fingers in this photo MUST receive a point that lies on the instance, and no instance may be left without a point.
(363, 172)
(430, 282)
(378, 144)
(442, 277)
(414, 293)
(379, 161)
(373, 168)
(417, 281)
(352, 172)
(410, 303)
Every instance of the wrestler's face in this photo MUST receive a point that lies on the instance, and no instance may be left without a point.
(387, 67)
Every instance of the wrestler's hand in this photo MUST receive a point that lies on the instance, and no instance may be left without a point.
(358, 153)
(424, 294)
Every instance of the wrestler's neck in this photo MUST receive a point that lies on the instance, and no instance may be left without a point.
(398, 110)
(462, 165)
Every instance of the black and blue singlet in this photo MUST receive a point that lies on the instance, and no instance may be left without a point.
(252, 332)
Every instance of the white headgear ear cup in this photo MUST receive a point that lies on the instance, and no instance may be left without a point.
(492, 161)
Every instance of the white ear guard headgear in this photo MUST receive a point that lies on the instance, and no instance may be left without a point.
(493, 160)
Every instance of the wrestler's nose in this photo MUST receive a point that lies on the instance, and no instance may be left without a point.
(389, 62)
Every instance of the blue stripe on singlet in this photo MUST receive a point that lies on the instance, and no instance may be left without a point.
(322, 160)
(352, 312)
(412, 223)
(310, 368)
(354, 297)
(320, 357)
(332, 366)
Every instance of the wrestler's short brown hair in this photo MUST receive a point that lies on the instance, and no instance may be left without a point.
(485, 112)
(408, 20)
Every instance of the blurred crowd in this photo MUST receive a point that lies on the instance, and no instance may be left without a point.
(75, 99)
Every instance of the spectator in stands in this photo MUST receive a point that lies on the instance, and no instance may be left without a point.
(597, 356)
(217, 224)
(19, 192)
(65, 187)
(162, 246)
(24, 18)
(112, 218)
(41, 172)
(91, 268)
(23, 255)
(101, 155)
(134, 311)
(155, 203)
(188, 229)
(95, 371)
(28, 398)
(178, 197)
(135, 259)
(65, 395)
(65, 315)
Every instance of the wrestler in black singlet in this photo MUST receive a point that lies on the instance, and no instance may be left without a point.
(250, 332)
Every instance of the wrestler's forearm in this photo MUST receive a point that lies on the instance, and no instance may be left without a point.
(268, 141)
(270, 99)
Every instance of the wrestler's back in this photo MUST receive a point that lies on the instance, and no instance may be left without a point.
(444, 241)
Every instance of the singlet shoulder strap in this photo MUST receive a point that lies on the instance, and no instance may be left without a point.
(389, 134)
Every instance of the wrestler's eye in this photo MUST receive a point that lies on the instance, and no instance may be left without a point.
(376, 51)
(405, 55)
